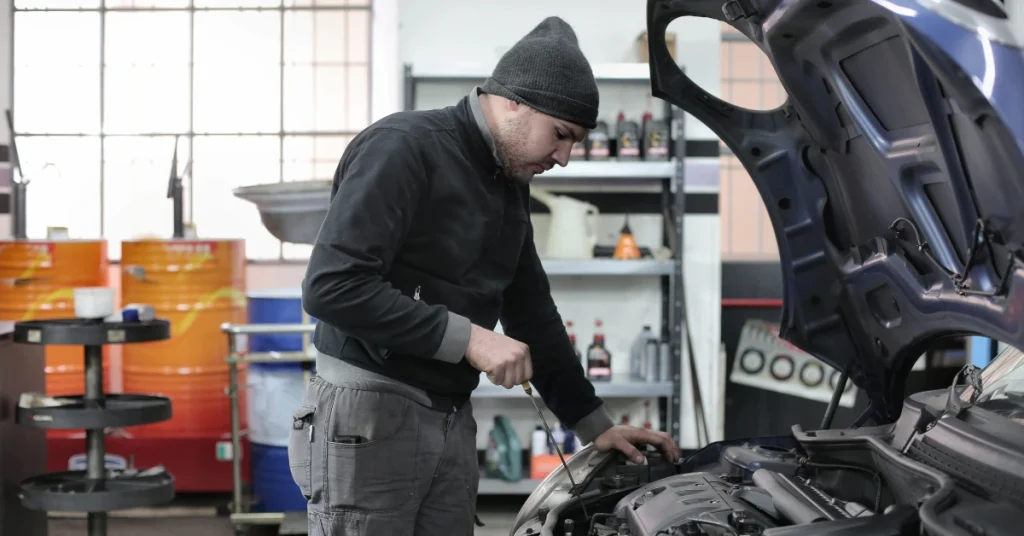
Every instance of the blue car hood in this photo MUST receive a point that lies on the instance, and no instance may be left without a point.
(893, 174)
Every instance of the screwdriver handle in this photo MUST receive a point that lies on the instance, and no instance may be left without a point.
(527, 388)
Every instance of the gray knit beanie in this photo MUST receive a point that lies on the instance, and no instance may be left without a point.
(546, 70)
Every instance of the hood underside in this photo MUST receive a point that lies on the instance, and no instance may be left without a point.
(892, 174)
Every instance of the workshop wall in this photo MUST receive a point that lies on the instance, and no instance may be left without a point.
(5, 103)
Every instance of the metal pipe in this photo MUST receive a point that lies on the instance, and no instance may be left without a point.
(94, 441)
(236, 439)
(245, 329)
(18, 192)
(271, 357)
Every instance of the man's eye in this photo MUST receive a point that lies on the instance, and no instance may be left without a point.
(559, 134)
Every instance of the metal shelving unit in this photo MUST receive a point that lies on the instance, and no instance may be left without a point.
(664, 177)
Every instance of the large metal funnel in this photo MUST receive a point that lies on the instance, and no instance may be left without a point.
(291, 211)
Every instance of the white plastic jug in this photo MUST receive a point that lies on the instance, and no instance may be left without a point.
(573, 231)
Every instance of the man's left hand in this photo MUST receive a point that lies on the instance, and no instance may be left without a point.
(624, 438)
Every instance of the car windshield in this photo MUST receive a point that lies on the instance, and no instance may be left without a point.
(1002, 384)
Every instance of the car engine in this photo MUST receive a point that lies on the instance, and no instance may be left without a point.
(773, 487)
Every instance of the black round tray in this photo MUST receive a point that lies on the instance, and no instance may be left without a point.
(115, 410)
(71, 491)
(90, 332)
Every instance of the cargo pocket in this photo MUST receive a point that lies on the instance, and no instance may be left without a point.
(300, 448)
(371, 451)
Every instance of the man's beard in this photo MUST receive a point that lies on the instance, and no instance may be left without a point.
(510, 144)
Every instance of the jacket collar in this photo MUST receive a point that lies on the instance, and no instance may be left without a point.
(472, 126)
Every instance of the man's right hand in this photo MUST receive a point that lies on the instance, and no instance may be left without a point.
(506, 361)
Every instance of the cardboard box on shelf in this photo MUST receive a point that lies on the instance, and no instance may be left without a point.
(641, 46)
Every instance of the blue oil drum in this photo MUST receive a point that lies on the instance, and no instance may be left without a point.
(273, 392)
(272, 483)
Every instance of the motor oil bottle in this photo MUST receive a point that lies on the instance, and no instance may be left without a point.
(572, 340)
(598, 142)
(504, 453)
(539, 442)
(656, 138)
(599, 359)
(627, 139)
(638, 354)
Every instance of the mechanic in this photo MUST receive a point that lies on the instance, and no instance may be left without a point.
(427, 244)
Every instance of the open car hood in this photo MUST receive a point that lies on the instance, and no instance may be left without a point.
(893, 174)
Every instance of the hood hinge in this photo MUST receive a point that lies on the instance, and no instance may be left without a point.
(738, 9)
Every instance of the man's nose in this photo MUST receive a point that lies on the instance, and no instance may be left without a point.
(561, 155)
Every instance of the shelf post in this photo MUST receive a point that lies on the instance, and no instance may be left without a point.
(679, 318)
(236, 427)
(95, 447)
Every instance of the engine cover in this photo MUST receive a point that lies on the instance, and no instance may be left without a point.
(699, 498)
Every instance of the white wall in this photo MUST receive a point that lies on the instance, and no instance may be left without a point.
(5, 96)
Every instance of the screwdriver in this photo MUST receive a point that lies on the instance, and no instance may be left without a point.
(558, 448)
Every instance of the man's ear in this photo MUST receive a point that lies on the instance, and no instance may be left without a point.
(511, 105)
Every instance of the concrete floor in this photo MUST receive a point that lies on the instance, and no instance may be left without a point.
(497, 514)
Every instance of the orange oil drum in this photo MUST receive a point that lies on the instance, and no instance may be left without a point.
(37, 281)
(197, 285)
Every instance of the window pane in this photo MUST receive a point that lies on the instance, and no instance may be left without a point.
(312, 158)
(52, 4)
(358, 34)
(65, 184)
(57, 72)
(147, 78)
(357, 91)
(147, 3)
(237, 72)
(329, 36)
(223, 163)
(296, 252)
(238, 3)
(326, 70)
(135, 188)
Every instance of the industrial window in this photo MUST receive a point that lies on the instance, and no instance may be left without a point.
(257, 91)
(749, 81)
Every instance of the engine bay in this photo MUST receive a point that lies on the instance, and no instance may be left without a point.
(919, 475)
(749, 489)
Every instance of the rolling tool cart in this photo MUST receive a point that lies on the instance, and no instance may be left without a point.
(288, 523)
(97, 489)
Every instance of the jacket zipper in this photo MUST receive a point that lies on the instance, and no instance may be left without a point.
(416, 293)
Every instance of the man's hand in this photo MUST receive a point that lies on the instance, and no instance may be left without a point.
(505, 360)
(623, 438)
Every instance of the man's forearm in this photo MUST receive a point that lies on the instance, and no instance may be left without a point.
(530, 316)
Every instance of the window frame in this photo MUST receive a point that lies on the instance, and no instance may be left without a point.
(189, 135)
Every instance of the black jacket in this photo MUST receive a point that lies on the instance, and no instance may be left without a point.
(423, 236)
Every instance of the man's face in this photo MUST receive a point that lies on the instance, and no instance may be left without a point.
(530, 142)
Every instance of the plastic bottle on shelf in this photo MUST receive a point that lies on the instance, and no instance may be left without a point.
(599, 359)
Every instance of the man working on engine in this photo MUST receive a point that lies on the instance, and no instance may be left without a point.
(426, 246)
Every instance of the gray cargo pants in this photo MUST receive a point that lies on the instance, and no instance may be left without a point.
(372, 459)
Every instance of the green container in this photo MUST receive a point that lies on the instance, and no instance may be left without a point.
(504, 452)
